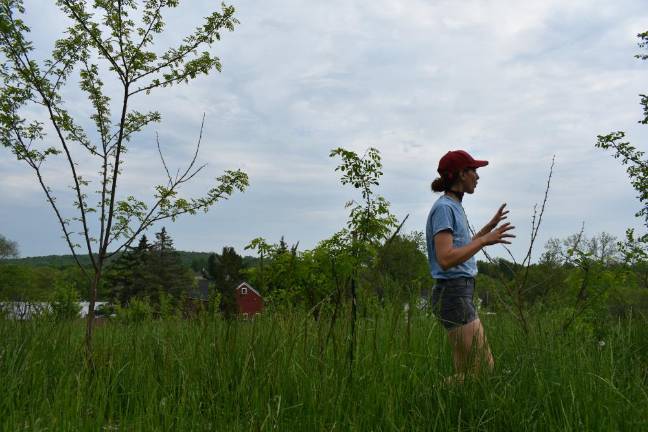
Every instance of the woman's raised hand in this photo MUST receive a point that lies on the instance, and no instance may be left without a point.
(500, 215)
(499, 234)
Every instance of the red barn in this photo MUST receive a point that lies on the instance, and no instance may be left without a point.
(248, 299)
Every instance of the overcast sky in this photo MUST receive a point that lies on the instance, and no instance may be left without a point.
(511, 82)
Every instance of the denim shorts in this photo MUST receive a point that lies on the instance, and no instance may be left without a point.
(452, 302)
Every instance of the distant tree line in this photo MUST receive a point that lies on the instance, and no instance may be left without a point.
(576, 273)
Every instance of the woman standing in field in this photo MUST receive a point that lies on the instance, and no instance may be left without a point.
(451, 251)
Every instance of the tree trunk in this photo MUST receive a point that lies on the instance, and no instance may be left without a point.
(91, 315)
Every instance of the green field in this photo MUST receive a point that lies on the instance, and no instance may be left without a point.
(278, 372)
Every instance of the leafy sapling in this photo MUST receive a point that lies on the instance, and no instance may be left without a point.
(108, 44)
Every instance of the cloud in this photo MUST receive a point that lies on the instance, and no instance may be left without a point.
(514, 83)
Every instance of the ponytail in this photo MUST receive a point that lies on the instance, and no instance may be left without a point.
(438, 185)
(444, 183)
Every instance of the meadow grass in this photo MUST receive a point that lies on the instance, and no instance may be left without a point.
(279, 372)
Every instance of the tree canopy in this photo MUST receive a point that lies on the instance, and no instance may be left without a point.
(8, 248)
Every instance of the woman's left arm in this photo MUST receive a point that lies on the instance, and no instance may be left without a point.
(500, 215)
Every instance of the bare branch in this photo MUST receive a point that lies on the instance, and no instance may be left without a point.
(157, 139)
(195, 155)
(508, 251)
(397, 231)
(535, 227)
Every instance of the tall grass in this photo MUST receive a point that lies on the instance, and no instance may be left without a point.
(278, 372)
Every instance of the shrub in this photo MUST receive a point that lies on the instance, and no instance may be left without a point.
(105, 310)
(137, 311)
(65, 302)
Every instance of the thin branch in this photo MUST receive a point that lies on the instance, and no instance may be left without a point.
(98, 42)
(126, 135)
(504, 283)
(190, 176)
(53, 65)
(487, 255)
(536, 227)
(20, 64)
(508, 251)
(195, 156)
(157, 139)
(156, 17)
(51, 199)
(120, 37)
(159, 84)
(397, 231)
(104, 177)
(115, 174)
(527, 257)
(149, 218)
(634, 158)
(103, 130)
(180, 54)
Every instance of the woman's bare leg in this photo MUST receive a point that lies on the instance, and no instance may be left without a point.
(470, 348)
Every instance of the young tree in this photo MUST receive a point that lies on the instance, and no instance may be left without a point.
(105, 40)
(370, 220)
(65, 302)
(265, 252)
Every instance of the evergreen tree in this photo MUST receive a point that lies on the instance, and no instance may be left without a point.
(155, 272)
(163, 242)
(197, 264)
(171, 276)
(213, 265)
(129, 276)
(227, 278)
(283, 247)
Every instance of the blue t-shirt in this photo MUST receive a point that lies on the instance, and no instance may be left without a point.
(448, 214)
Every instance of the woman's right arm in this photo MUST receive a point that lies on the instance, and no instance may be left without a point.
(448, 256)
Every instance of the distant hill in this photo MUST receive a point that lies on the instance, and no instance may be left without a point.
(48, 261)
(195, 260)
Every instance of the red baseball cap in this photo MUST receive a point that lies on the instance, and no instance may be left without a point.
(458, 160)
